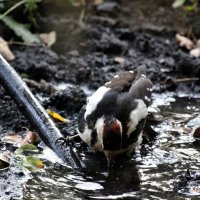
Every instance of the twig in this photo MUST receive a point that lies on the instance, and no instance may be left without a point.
(184, 80)
(22, 43)
(42, 85)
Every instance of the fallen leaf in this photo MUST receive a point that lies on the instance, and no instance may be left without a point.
(180, 130)
(195, 52)
(197, 133)
(32, 163)
(12, 139)
(5, 50)
(26, 148)
(57, 116)
(4, 161)
(30, 138)
(184, 41)
(119, 60)
(48, 38)
(181, 116)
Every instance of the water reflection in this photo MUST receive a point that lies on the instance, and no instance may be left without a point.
(122, 178)
(96, 182)
(148, 175)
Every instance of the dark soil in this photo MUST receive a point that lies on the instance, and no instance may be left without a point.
(85, 57)
(91, 61)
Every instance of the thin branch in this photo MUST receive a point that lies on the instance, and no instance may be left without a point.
(184, 80)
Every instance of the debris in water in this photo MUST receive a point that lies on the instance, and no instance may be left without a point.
(57, 116)
(12, 139)
(32, 163)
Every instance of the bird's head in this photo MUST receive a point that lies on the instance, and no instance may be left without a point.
(109, 129)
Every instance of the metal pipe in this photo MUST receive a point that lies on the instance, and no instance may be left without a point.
(34, 111)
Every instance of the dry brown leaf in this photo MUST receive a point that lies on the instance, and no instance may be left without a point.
(30, 138)
(48, 38)
(5, 50)
(12, 139)
(197, 133)
(195, 52)
(184, 41)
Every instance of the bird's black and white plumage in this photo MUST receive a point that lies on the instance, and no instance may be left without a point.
(114, 116)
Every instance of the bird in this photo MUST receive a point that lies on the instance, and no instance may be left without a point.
(114, 116)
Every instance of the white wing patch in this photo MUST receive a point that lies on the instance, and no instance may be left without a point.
(86, 135)
(136, 115)
(94, 100)
(99, 128)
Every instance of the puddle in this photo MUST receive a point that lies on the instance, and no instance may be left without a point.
(150, 174)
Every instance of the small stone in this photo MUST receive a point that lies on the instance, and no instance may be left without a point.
(119, 60)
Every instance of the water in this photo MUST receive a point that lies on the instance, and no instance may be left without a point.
(150, 174)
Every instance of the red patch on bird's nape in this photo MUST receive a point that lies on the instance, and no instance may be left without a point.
(112, 126)
(116, 127)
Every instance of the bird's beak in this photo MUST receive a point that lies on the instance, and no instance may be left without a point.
(109, 157)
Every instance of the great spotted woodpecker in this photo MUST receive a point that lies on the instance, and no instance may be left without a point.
(114, 116)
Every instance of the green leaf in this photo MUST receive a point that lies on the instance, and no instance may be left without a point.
(31, 5)
(191, 8)
(26, 148)
(20, 30)
(32, 163)
(178, 3)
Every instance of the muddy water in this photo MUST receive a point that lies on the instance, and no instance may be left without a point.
(148, 175)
